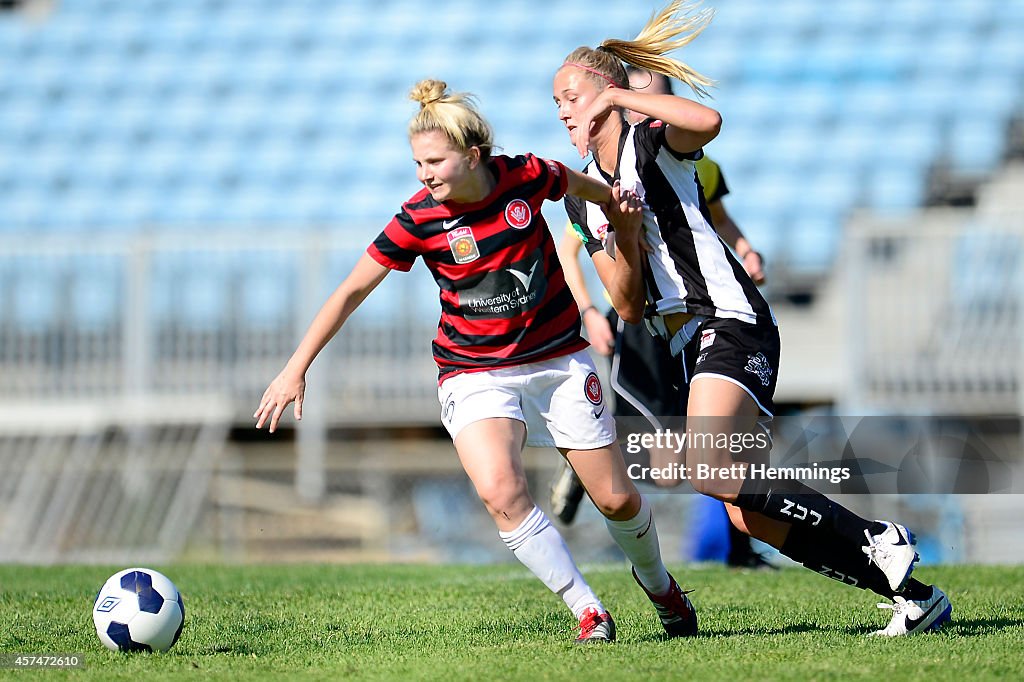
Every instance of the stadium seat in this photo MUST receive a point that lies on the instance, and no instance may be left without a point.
(189, 115)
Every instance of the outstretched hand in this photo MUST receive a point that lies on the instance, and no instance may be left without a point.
(287, 387)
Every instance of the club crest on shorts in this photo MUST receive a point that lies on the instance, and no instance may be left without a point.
(518, 214)
(758, 365)
(707, 337)
(592, 388)
(463, 245)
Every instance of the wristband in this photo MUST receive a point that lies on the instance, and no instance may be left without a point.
(588, 309)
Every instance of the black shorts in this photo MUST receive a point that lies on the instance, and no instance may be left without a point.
(646, 379)
(745, 354)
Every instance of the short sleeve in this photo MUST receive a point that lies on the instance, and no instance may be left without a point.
(576, 209)
(558, 181)
(551, 176)
(650, 136)
(711, 180)
(396, 247)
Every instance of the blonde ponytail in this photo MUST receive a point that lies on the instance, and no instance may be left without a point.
(454, 114)
(674, 27)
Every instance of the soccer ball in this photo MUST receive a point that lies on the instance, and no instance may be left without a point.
(138, 609)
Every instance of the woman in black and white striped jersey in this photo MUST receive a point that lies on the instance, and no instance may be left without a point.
(703, 303)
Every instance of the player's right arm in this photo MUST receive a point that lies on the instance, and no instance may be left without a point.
(290, 384)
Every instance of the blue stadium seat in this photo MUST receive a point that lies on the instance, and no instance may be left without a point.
(120, 115)
(895, 189)
(976, 145)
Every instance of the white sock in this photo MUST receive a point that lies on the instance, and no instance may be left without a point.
(540, 547)
(638, 538)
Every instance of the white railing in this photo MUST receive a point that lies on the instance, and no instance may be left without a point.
(934, 305)
(184, 314)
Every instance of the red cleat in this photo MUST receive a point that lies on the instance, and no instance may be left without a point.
(596, 627)
(677, 614)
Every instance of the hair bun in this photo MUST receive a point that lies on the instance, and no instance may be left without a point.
(428, 91)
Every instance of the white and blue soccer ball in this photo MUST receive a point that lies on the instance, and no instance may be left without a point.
(138, 609)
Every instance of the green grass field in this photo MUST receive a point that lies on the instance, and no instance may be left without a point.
(497, 622)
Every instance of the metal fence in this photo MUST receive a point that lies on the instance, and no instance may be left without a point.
(934, 305)
(85, 318)
(125, 360)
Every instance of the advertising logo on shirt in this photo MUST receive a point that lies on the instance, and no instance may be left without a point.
(504, 293)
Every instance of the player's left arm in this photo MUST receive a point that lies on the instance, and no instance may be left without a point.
(731, 233)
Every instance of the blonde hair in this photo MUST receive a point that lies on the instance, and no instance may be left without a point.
(454, 114)
(659, 36)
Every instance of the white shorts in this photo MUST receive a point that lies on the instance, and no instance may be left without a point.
(561, 401)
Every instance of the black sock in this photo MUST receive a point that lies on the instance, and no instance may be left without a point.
(835, 557)
(740, 550)
(915, 590)
(795, 503)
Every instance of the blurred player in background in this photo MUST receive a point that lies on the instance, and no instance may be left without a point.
(513, 368)
(648, 381)
(703, 303)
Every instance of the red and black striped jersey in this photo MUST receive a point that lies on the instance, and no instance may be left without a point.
(504, 300)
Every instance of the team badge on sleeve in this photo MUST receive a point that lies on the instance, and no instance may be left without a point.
(518, 214)
(592, 387)
(463, 245)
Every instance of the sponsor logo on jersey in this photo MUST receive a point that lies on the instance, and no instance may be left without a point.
(592, 389)
(758, 365)
(556, 169)
(507, 292)
(449, 224)
(463, 245)
(518, 214)
(707, 337)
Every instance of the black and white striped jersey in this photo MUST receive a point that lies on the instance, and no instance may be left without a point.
(690, 269)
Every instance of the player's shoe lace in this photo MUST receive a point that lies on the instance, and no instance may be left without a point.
(566, 494)
(675, 610)
(910, 617)
(595, 626)
(892, 551)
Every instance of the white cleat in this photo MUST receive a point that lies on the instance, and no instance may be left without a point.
(893, 552)
(911, 617)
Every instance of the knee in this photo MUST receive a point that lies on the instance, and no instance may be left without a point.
(505, 496)
(714, 489)
(618, 507)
